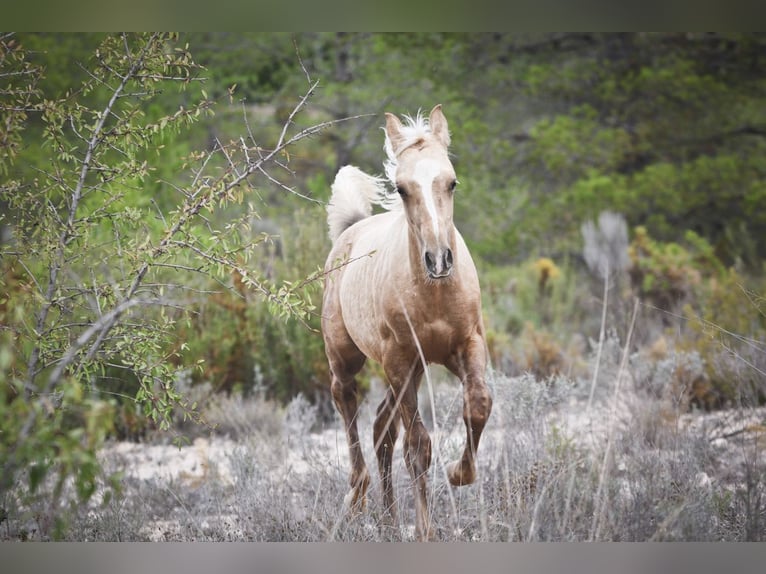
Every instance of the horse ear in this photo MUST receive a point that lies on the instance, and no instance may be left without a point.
(438, 124)
(394, 131)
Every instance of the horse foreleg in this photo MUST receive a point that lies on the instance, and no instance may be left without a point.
(417, 446)
(470, 366)
(385, 432)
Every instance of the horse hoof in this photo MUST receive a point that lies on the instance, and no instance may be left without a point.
(459, 474)
(355, 501)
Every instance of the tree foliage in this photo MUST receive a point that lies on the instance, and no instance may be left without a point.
(665, 128)
(96, 271)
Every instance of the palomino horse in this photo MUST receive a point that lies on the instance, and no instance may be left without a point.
(401, 288)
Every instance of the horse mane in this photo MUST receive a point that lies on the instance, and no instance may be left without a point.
(414, 132)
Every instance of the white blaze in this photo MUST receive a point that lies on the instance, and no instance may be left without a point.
(426, 171)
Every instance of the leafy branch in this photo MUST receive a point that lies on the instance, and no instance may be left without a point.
(87, 262)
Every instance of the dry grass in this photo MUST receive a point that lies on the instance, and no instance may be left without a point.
(627, 468)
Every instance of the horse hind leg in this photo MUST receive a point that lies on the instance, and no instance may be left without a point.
(344, 391)
(385, 432)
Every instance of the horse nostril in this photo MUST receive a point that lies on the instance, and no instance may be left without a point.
(430, 261)
(448, 259)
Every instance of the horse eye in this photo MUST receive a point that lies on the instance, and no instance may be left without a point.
(452, 185)
(400, 190)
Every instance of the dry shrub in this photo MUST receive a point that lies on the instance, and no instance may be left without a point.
(676, 378)
(542, 355)
(501, 356)
(719, 318)
(729, 330)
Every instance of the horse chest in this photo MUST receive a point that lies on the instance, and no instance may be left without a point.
(428, 330)
(436, 340)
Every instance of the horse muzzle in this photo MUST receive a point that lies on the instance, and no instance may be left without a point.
(439, 265)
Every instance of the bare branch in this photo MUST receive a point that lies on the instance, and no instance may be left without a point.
(295, 111)
(288, 188)
(300, 61)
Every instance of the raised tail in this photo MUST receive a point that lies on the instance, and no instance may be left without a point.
(353, 193)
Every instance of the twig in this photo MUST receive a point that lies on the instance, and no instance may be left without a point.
(300, 61)
(288, 188)
(600, 503)
(600, 338)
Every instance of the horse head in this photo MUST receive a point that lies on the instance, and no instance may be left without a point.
(419, 166)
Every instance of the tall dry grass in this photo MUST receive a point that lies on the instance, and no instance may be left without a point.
(551, 468)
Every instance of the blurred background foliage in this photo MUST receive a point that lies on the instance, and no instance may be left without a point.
(668, 131)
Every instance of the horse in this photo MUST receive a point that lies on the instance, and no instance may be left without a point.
(401, 289)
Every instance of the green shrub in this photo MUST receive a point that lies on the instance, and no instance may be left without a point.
(534, 313)
(241, 345)
(724, 321)
(667, 274)
(728, 329)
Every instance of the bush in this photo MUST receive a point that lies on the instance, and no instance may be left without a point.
(728, 329)
(241, 345)
(536, 314)
(668, 275)
(718, 316)
(97, 273)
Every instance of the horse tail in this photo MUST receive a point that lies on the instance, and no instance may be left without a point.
(353, 193)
